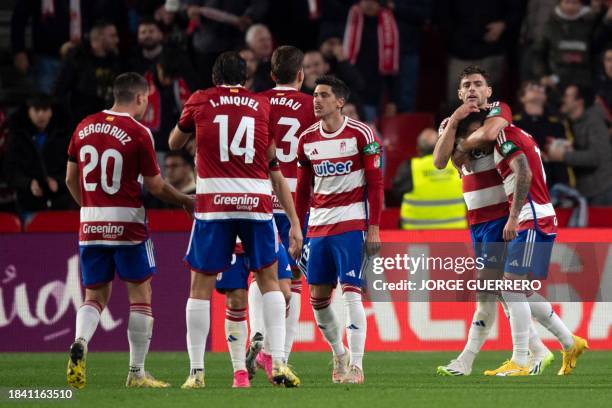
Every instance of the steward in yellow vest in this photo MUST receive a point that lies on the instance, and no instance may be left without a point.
(436, 199)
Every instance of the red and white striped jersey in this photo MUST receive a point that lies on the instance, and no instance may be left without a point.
(291, 112)
(338, 162)
(113, 152)
(482, 186)
(231, 125)
(513, 141)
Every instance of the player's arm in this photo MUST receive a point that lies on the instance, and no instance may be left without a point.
(446, 142)
(520, 167)
(281, 189)
(178, 138)
(303, 188)
(485, 134)
(157, 186)
(72, 181)
(371, 156)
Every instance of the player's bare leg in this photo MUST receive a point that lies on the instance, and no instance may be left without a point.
(197, 314)
(320, 298)
(140, 330)
(87, 320)
(274, 307)
(236, 333)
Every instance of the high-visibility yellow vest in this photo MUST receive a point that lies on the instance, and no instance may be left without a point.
(436, 200)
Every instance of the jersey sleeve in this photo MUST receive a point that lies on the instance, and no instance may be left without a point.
(302, 159)
(500, 109)
(508, 145)
(371, 153)
(186, 123)
(146, 156)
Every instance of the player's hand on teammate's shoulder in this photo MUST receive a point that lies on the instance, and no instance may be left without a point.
(373, 240)
(295, 242)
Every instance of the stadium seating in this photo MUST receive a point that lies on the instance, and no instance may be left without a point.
(400, 135)
(9, 223)
(54, 221)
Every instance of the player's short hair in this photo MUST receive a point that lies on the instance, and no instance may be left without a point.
(338, 87)
(229, 69)
(286, 63)
(127, 85)
(471, 70)
(464, 124)
(584, 92)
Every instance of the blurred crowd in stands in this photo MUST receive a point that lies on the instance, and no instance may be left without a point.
(551, 60)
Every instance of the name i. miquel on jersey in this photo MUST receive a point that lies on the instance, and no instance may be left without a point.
(234, 100)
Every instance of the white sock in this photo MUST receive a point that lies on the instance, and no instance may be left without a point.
(544, 313)
(293, 317)
(328, 324)
(198, 324)
(484, 317)
(357, 324)
(256, 319)
(236, 336)
(520, 320)
(87, 319)
(140, 330)
(274, 321)
(536, 347)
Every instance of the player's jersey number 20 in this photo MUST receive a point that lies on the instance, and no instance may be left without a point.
(109, 157)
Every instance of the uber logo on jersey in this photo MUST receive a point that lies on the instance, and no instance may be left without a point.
(328, 168)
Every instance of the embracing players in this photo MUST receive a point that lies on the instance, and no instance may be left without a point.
(237, 170)
(110, 156)
(342, 157)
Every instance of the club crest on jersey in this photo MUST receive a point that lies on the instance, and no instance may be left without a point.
(328, 168)
(342, 147)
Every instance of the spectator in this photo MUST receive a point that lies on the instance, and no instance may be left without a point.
(52, 26)
(85, 83)
(178, 170)
(173, 23)
(314, 67)
(590, 152)
(168, 92)
(337, 64)
(564, 53)
(544, 128)
(332, 17)
(36, 159)
(220, 28)
(371, 43)
(431, 198)
(7, 194)
(532, 30)
(478, 33)
(150, 46)
(251, 66)
(259, 39)
(411, 18)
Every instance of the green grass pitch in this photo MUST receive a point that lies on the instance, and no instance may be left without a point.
(392, 380)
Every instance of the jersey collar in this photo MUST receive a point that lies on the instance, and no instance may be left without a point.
(336, 133)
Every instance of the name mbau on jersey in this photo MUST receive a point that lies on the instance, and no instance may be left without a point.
(235, 100)
(105, 128)
(288, 102)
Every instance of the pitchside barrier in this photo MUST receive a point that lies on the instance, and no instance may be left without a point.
(40, 292)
